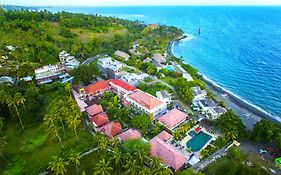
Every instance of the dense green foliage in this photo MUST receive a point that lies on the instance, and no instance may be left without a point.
(234, 163)
(267, 131)
(184, 90)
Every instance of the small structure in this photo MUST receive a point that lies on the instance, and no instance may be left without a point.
(164, 96)
(130, 134)
(170, 156)
(217, 111)
(122, 55)
(159, 58)
(147, 103)
(193, 160)
(158, 65)
(93, 110)
(198, 93)
(27, 79)
(68, 61)
(111, 129)
(7, 79)
(173, 118)
(99, 120)
(96, 89)
(147, 60)
(130, 79)
(197, 130)
(206, 104)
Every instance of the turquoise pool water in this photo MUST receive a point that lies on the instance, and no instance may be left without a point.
(169, 68)
(192, 133)
(198, 141)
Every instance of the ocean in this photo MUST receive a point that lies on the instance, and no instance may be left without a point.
(239, 48)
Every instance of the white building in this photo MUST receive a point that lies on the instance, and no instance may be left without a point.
(147, 103)
(123, 55)
(199, 93)
(109, 67)
(68, 61)
(48, 74)
(164, 96)
(216, 112)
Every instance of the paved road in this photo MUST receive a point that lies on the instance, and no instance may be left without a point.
(89, 60)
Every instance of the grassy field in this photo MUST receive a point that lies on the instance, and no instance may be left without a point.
(29, 152)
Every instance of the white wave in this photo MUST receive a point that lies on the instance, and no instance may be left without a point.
(188, 37)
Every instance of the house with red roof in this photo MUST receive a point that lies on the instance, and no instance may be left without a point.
(168, 154)
(111, 129)
(173, 118)
(147, 103)
(99, 120)
(96, 89)
(93, 110)
(130, 134)
(121, 88)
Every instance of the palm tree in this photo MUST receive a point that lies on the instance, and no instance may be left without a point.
(73, 123)
(1, 125)
(51, 127)
(75, 158)
(102, 168)
(102, 142)
(58, 165)
(3, 143)
(67, 88)
(116, 158)
(114, 142)
(20, 99)
(12, 102)
(132, 167)
(231, 135)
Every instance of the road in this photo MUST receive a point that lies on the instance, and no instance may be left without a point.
(89, 60)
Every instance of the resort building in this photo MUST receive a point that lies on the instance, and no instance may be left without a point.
(170, 156)
(130, 134)
(99, 120)
(48, 74)
(93, 110)
(68, 61)
(147, 60)
(158, 65)
(147, 103)
(173, 118)
(130, 79)
(111, 129)
(206, 104)
(159, 58)
(121, 88)
(95, 89)
(199, 93)
(123, 55)
(164, 96)
(217, 111)
(110, 68)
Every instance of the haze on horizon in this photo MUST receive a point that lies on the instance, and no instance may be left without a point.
(137, 2)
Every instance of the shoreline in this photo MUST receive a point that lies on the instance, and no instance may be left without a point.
(237, 104)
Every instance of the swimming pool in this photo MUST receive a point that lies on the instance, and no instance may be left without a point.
(169, 68)
(192, 133)
(197, 142)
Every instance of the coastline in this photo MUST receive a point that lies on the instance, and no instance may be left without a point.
(232, 101)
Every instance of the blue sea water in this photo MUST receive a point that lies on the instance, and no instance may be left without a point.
(239, 48)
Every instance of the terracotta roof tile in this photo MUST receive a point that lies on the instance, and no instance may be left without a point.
(146, 100)
(111, 129)
(96, 87)
(164, 135)
(123, 85)
(94, 109)
(173, 118)
(129, 134)
(99, 120)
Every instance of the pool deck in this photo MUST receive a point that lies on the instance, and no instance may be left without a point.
(188, 137)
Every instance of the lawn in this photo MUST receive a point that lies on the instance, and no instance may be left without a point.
(152, 89)
(168, 80)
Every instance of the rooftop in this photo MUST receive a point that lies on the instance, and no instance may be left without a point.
(158, 57)
(164, 136)
(146, 100)
(94, 109)
(208, 103)
(111, 129)
(123, 85)
(97, 87)
(173, 118)
(167, 153)
(122, 54)
(130, 134)
(99, 120)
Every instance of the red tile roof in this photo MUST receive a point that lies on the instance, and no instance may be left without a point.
(96, 87)
(129, 134)
(173, 118)
(111, 129)
(94, 109)
(164, 135)
(99, 120)
(170, 156)
(123, 85)
(146, 100)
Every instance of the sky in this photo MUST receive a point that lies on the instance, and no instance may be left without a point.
(138, 2)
